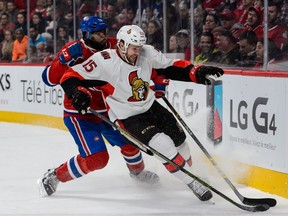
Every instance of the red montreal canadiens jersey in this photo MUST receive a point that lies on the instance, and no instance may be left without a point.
(56, 70)
(127, 92)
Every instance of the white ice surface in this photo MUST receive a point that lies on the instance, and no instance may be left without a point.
(26, 152)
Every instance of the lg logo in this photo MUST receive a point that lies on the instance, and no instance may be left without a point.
(189, 107)
(262, 121)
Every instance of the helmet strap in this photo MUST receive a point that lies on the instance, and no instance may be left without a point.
(124, 52)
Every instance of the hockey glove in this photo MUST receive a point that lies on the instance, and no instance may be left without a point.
(202, 73)
(160, 86)
(81, 99)
(70, 55)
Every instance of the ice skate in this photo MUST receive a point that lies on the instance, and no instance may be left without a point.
(146, 177)
(200, 191)
(48, 184)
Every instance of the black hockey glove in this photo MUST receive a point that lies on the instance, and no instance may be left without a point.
(81, 99)
(203, 73)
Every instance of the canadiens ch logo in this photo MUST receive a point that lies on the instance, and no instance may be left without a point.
(138, 86)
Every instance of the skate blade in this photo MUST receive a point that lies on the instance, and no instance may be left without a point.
(41, 189)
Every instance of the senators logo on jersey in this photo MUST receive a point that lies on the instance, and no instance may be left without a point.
(139, 87)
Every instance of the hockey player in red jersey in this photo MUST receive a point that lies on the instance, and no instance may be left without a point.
(87, 130)
(125, 74)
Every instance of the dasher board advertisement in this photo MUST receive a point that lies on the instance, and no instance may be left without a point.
(255, 121)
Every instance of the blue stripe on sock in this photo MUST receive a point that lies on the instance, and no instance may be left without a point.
(73, 168)
(133, 160)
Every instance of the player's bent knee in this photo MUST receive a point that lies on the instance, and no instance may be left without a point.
(129, 150)
(97, 161)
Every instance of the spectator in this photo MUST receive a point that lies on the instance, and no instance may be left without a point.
(36, 38)
(157, 6)
(173, 20)
(149, 14)
(20, 46)
(259, 4)
(49, 7)
(144, 27)
(212, 21)
(69, 23)
(183, 41)
(21, 5)
(40, 7)
(62, 37)
(184, 16)
(21, 22)
(274, 54)
(172, 44)
(67, 5)
(119, 5)
(228, 50)
(5, 24)
(119, 22)
(48, 55)
(198, 24)
(39, 21)
(110, 20)
(12, 11)
(2, 7)
(7, 46)
(56, 19)
(154, 35)
(254, 21)
(37, 54)
(212, 24)
(49, 38)
(284, 13)
(130, 15)
(277, 31)
(215, 5)
(124, 19)
(228, 22)
(208, 51)
(247, 45)
(242, 11)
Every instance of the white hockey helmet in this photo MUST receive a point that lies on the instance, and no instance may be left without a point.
(131, 34)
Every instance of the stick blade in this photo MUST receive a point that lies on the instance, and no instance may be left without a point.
(257, 208)
(267, 201)
(262, 208)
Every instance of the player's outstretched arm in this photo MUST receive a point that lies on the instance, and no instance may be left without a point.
(185, 71)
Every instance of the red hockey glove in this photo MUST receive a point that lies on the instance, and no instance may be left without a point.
(70, 55)
(201, 73)
(81, 99)
(160, 86)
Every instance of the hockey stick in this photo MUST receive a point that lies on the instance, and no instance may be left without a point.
(126, 134)
(248, 201)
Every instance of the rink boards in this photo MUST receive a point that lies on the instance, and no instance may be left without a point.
(250, 108)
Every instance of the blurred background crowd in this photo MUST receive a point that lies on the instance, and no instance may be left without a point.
(229, 33)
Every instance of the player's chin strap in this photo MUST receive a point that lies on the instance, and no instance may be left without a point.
(248, 201)
(129, 136)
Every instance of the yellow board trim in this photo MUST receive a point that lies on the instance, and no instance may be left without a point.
(33, 119)
(267, 180)
(263, 179)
